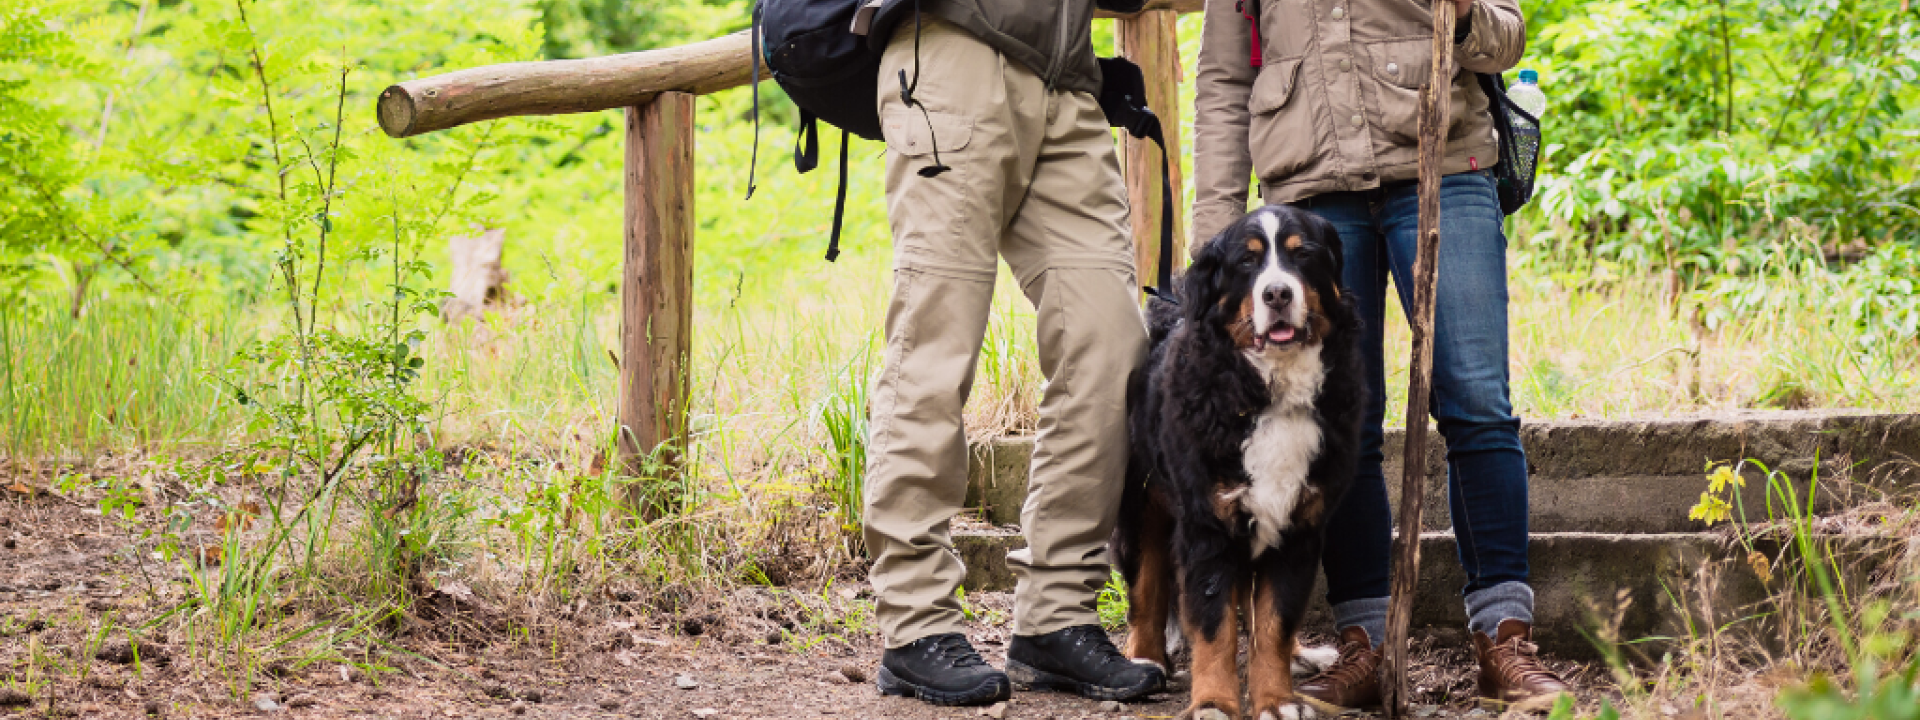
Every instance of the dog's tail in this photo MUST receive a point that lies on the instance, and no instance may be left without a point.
(1163, 313)
(1124, 543)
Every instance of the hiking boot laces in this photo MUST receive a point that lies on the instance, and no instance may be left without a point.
(1103, 651)
(1516, 658)
(956, 651)
(1347, 671)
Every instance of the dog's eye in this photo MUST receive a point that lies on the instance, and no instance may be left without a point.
(1248, 262)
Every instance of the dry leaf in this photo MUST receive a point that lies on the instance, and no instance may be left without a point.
(1760, 566)
(208, 556)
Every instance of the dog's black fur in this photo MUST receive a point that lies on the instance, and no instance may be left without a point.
(1192, 410)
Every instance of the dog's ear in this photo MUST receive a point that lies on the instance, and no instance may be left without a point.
(1200, 284)
(1325, 236)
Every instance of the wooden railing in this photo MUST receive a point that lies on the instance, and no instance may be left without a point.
(657, 88)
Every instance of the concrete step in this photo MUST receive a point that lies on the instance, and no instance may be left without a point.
(1611, 476)
(1648, 588)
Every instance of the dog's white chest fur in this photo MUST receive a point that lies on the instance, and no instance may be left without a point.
(1284, 442)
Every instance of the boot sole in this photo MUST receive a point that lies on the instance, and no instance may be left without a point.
(1027, 677)
(993, 690)
(1326, 708)
(1537, 705)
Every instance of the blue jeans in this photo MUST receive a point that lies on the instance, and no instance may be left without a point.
(1486, 467)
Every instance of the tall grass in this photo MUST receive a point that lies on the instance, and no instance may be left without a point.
(774, 374)
(1834, 636)
(131, 375)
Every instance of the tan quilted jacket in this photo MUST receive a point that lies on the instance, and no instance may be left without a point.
(1333, 105)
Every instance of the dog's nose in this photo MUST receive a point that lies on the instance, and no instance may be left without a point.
(1277, 296)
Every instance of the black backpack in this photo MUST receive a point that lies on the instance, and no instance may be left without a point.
(829, 72)
(832, 73)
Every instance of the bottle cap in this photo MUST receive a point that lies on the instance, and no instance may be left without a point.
(1529, 77)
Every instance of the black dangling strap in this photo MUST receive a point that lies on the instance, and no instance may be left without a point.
(906, 97)
(839, 200)
(806, 144)
(1166, 215)
(753, 43)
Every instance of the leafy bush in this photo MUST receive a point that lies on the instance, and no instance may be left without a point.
(1681, 133)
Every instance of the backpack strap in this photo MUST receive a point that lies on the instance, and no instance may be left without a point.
(1123, 97)
(839, 200)
(1250, 9)
(806, 143)
(753, 44)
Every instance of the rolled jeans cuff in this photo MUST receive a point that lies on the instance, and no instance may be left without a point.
(1487, 608)
(1369, 614)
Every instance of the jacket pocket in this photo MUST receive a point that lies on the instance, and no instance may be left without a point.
(1397, 69)
(1273, 86)
(1280, 133)
(912, 135)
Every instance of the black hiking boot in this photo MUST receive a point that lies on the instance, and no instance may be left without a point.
(1081, 660)
(943, 670)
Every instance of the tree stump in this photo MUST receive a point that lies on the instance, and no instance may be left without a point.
(478, 279)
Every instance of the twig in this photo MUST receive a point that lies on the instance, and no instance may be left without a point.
(55, 206)
(106, 112)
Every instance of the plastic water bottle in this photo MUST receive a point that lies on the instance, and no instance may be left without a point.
(1527, 94)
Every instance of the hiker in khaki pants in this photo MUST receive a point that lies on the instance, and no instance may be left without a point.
(1032, 177)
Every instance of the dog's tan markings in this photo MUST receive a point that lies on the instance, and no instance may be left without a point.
(1150, 595)
(1270, 662)
(1292, 242)
(1311, 506)
(1242, 327)
(1256, 245)
(1317, 322)
(1216, 675)
(1226, 500)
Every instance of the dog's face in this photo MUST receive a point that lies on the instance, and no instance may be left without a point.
(1265, 278)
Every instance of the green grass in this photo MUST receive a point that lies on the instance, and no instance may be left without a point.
(778, 376)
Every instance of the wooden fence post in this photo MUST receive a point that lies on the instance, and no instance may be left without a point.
(656, 296)
(1151, 40)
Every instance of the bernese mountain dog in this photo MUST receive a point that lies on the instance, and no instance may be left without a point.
(1245, 425)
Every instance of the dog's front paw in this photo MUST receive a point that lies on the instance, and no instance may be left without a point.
(1212, 709)
(1308, 661)
(1289, 711)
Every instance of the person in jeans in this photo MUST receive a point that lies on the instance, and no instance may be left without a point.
(997, 148)
(1326, 119)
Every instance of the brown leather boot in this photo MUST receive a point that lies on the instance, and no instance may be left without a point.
(1350, 683)
(1511, 675)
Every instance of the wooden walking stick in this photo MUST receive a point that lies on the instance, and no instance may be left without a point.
(1434, 100)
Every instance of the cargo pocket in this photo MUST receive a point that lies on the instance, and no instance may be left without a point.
(912, 135)
(1281, 131)
(1397, 68)
(929, 215)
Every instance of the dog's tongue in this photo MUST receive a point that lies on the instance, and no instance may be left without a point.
(1280, 334)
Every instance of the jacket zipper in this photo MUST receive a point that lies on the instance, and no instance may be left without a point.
(1059, 46)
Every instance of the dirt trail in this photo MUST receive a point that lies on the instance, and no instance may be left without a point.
(64, 572)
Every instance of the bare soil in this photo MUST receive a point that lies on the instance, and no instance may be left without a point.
(65, 572)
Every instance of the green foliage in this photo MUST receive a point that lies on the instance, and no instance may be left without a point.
(1894, 696)
(1112, 603)
(1681, 133)
(63, 206)
(586, 28)
(844, 413)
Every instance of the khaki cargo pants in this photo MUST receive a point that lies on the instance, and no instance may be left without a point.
(1034, 179)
